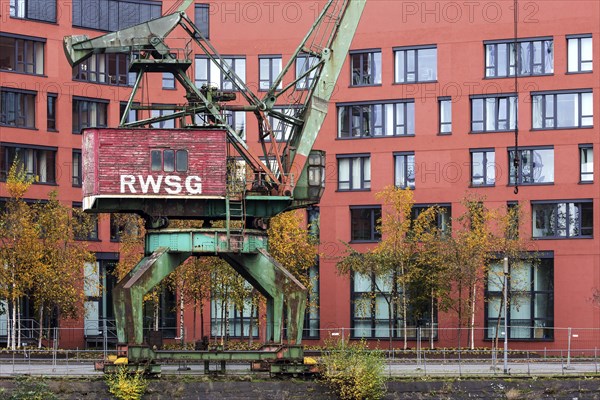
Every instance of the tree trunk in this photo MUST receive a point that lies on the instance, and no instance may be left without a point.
(404, 315)
(18, 320)
(13, 345)
(201, 320)
(472, 322)
(8, 324)
(432, 321)
(41, 327)
(156, 315)
(181, 320)
(250, 325)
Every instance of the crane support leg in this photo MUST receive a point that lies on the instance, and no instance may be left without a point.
(129, 292)
(279, 287)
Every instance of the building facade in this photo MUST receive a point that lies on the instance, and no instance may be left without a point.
(430, 99)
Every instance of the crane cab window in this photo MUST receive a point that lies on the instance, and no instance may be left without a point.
(169, 160)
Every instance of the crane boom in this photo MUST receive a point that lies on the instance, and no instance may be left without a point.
(283, 162)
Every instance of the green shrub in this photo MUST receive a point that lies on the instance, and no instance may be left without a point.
(125, 385)
(353, 371)
(29, 389)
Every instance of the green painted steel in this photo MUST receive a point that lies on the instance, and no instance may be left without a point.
(205, 241)
(246, 254)
(128, 295)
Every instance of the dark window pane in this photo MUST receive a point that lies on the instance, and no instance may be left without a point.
(182, 160)
(156, 160)
(169, 160)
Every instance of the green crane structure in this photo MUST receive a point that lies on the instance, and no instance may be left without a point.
(289, 174)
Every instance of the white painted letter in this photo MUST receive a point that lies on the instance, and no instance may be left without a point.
(150, 181)
(174, 184)
(127, 180)
(197, 188)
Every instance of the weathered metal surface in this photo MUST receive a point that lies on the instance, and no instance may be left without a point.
(117, 163)
(204, 241)
(129, 293)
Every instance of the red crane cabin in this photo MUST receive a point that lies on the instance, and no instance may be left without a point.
(159, 163)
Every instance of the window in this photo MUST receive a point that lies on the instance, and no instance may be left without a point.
(269, 68)
(364, 223)
(169, 160)
(483, 167)
(89, 114)
(88, 224)
(536, 166)
(365, 67)
(113, 15)
(376, 119)
(201, 20)
(580, 53)
(563, 110)
(354, 172)
(554, 220)
(38, 162)
(165, 124)
(51, 111)
(445, 104)
(493, 113)
(122, 224)
(415, 64)
(237, 120)
(77, 174)
(40, 10)
(311, 315)
(404, 170)
(207, 73)
(443, 215)
(281, 129)
(17, 108)
(168, 80)
(132, 115)
(111, 69)
(534, 57)
(376, 300)
(586, 163)
(22, 54)
(304, 63)
(531, 299)
(226, 319)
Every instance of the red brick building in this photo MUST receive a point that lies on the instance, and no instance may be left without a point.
(428, 100)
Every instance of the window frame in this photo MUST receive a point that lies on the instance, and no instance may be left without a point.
(373, 62)
(441, 121)
(28, 42)
(273, 71)
(587, 146)
(445, 226)
(202, 10)
(416, 49)
(374, 235)
(404, 155)
(486, 167)
(577, 203)
(76, 176)
(406, 126)
(497, 100)
(365, 184)
(33, 163)
(51, 112)
(112, 17)
(15, 8)
(87, 100)
(579, 60)
(490, 322)
(24, 103)
(97, 68)
(304, 62)
(514, 64)
(531, 150)
(544, 105)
